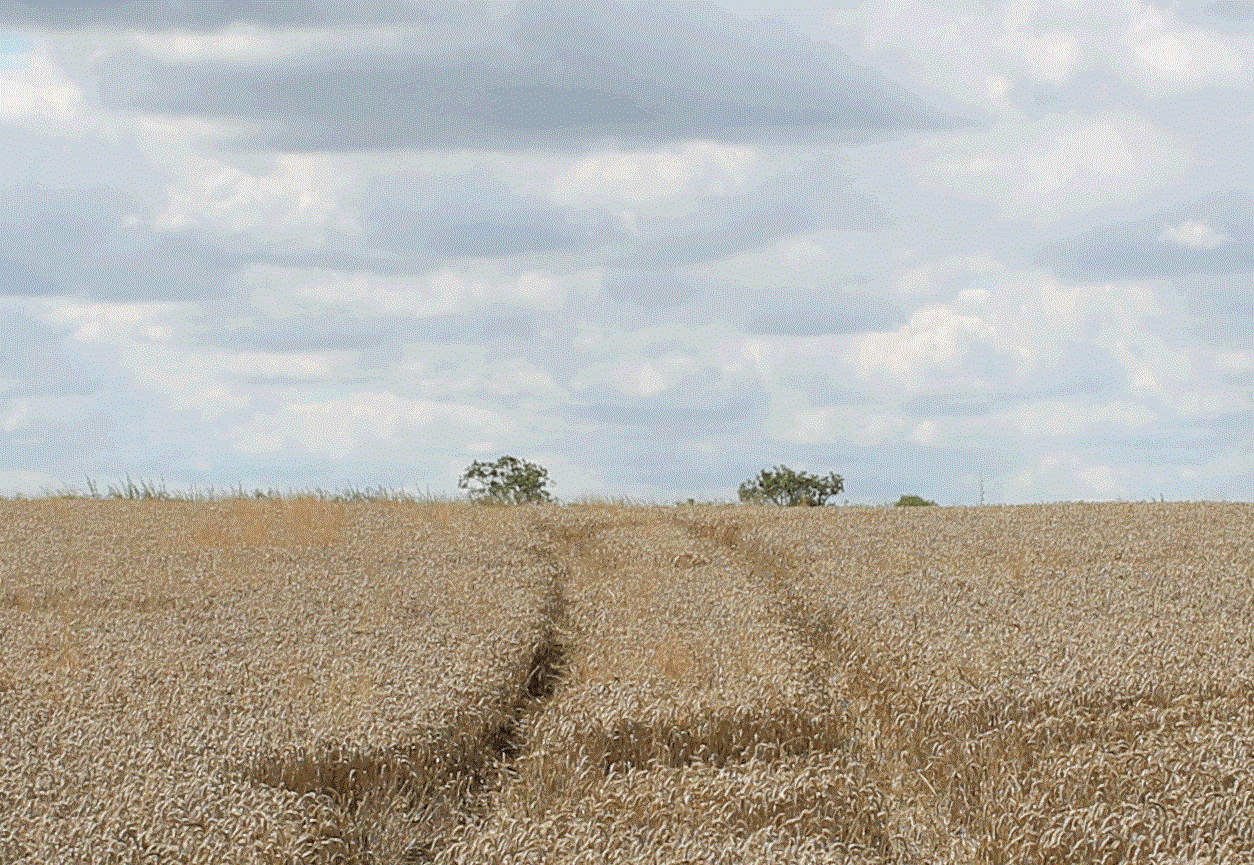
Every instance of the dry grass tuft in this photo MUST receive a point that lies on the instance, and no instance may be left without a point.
(300, 521)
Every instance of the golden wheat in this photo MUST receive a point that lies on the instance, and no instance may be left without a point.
(298, 680)
(252, 681)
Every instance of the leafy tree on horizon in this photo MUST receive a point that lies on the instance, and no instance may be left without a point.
(508, 481)
(787, 488)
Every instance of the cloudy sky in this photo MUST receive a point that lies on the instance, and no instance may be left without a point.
(654, 248)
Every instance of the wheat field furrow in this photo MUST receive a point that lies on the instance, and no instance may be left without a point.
(299, 680)
(1033, 670)
(254, 682)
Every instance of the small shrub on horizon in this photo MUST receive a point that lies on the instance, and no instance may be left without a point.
(913, 501)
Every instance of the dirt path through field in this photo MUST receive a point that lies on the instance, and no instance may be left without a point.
(653, 607)
(683, 681)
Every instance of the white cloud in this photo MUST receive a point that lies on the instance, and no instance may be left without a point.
(294, 366)
(1076, 157)
(1175, 56)
(282, 292)
(343, 428)
(15, 416)
(38, 95)
(928, 353)
(954, 66)
(1194, 235)
(1053, 169)
(44, 413)
(616, 179)
(657, 312)
(646, 378)
(244, 43)
(301, 200)
(1061, 420)
(924, 433)
(21, 482)
(1049, 57)
(997, 86)
(1101, 482)
(111, 322)
(793, 421)
(1235, 362)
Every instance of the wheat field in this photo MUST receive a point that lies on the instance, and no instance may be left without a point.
(299, 680)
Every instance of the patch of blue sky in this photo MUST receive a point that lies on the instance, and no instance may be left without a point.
(12, 48)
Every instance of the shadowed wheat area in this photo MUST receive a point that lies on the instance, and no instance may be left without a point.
(300, 681)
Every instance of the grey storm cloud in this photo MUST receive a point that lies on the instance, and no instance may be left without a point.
(1234, 10)
(1219, 311)
(490, 235)
(520, 233)
(18, 278)
(829, 312)
(1082, 369)
(34, 351)
(647, 462)
(473, 216)
(338, 331)
(170, 14)
(661, 414)
(1210, 236)
(133, 264)
(67, 241)
(60, 241)
(702, 400)
(650, 289)
(793, 202)
(565, 76)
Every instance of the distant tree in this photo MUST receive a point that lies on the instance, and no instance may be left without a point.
(913, 501)
(785, 487)
(508, 481)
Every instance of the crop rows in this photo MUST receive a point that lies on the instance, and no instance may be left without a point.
(295, 680)
(255, 682)
(1065, 683)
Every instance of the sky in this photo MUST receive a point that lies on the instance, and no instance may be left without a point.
(953, 249)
